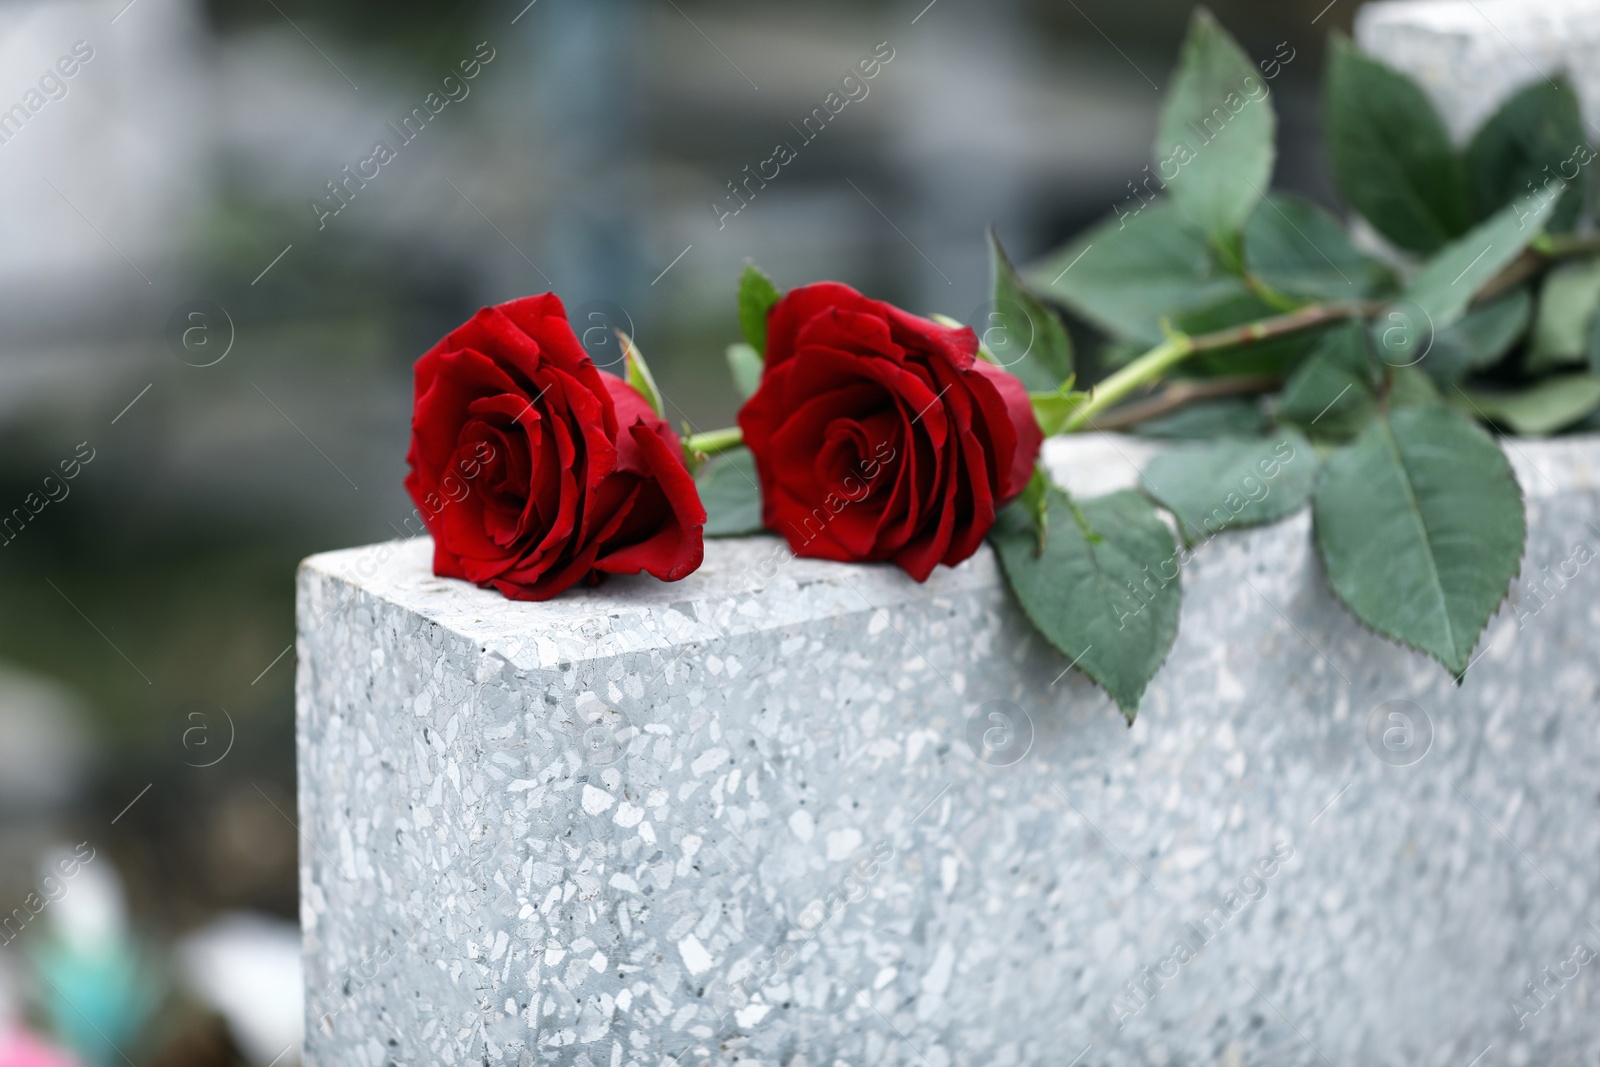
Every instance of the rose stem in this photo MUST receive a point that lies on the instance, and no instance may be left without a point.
(1177, 395)
(1179, 347)
(714, 441)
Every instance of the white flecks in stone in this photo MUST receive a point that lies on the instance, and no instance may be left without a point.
(751, 1014)
(596, 801)
(628, 815)
(949, 872)
(802, 824)
(694, 954)
(843, 843)
(936, 982)
(708, 761)
(1229, 688)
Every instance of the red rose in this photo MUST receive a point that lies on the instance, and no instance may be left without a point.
(534, 470)
(880, 435)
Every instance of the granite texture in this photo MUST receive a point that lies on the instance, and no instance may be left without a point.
(800, 813)
(1470, 55)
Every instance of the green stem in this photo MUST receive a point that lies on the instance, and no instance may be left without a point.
(1123, 383)
(1179, 347)
(1562, 245)
(1271, 297)
(712, 442)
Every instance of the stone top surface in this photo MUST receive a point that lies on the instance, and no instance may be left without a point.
(754, 584)
(745, 585)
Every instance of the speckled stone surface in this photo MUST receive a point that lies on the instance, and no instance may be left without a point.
(766, 815)
(1470, 55)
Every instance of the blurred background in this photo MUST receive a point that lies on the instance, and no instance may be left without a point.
(213, 286)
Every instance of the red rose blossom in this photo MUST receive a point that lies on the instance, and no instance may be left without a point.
(879, 435)
(534, 470)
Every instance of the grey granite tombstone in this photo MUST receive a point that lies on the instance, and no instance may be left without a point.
(798, 812)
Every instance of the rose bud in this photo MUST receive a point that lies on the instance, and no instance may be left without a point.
(535, 470)
(878, 435)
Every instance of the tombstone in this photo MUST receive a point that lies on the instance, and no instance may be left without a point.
(1470, 57)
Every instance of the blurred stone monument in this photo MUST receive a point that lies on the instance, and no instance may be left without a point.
(1471, 56)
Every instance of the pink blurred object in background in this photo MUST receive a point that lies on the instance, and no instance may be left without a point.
(21, 1049)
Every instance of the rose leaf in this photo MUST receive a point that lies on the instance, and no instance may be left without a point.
(1482, 337)
(1442, 290)
(1132, 271)
(638, 374)
(1535, 135)
(1333, 394)
(1545, 407)
(1567, 304)
(1023, 334)
(746, 365)
(1392, 157)
(1420, 526)
(731, 494)
(1296, 247)
(1232, 481)
(1214, 145)
(757, 294)
(1098, 590)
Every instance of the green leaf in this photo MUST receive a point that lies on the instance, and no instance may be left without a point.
(1392, 157)
(1035, 503)
(1128, 273)
(1567, 305)
(1229, 416)
(1594, 342)
(1536, 135)
(1543, 408)
(1296, 247)
(1232, 310)
(1214, 146)
(1023, 334)
(757, 294)
(638, 374)
(1232, 482)
(1333, 394)
(1439, 295)
(1053, 409)
(1409, 387)
(1099, 592)
(1482, 338)
(731, 494)
(746, 365)
(1420, 526)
